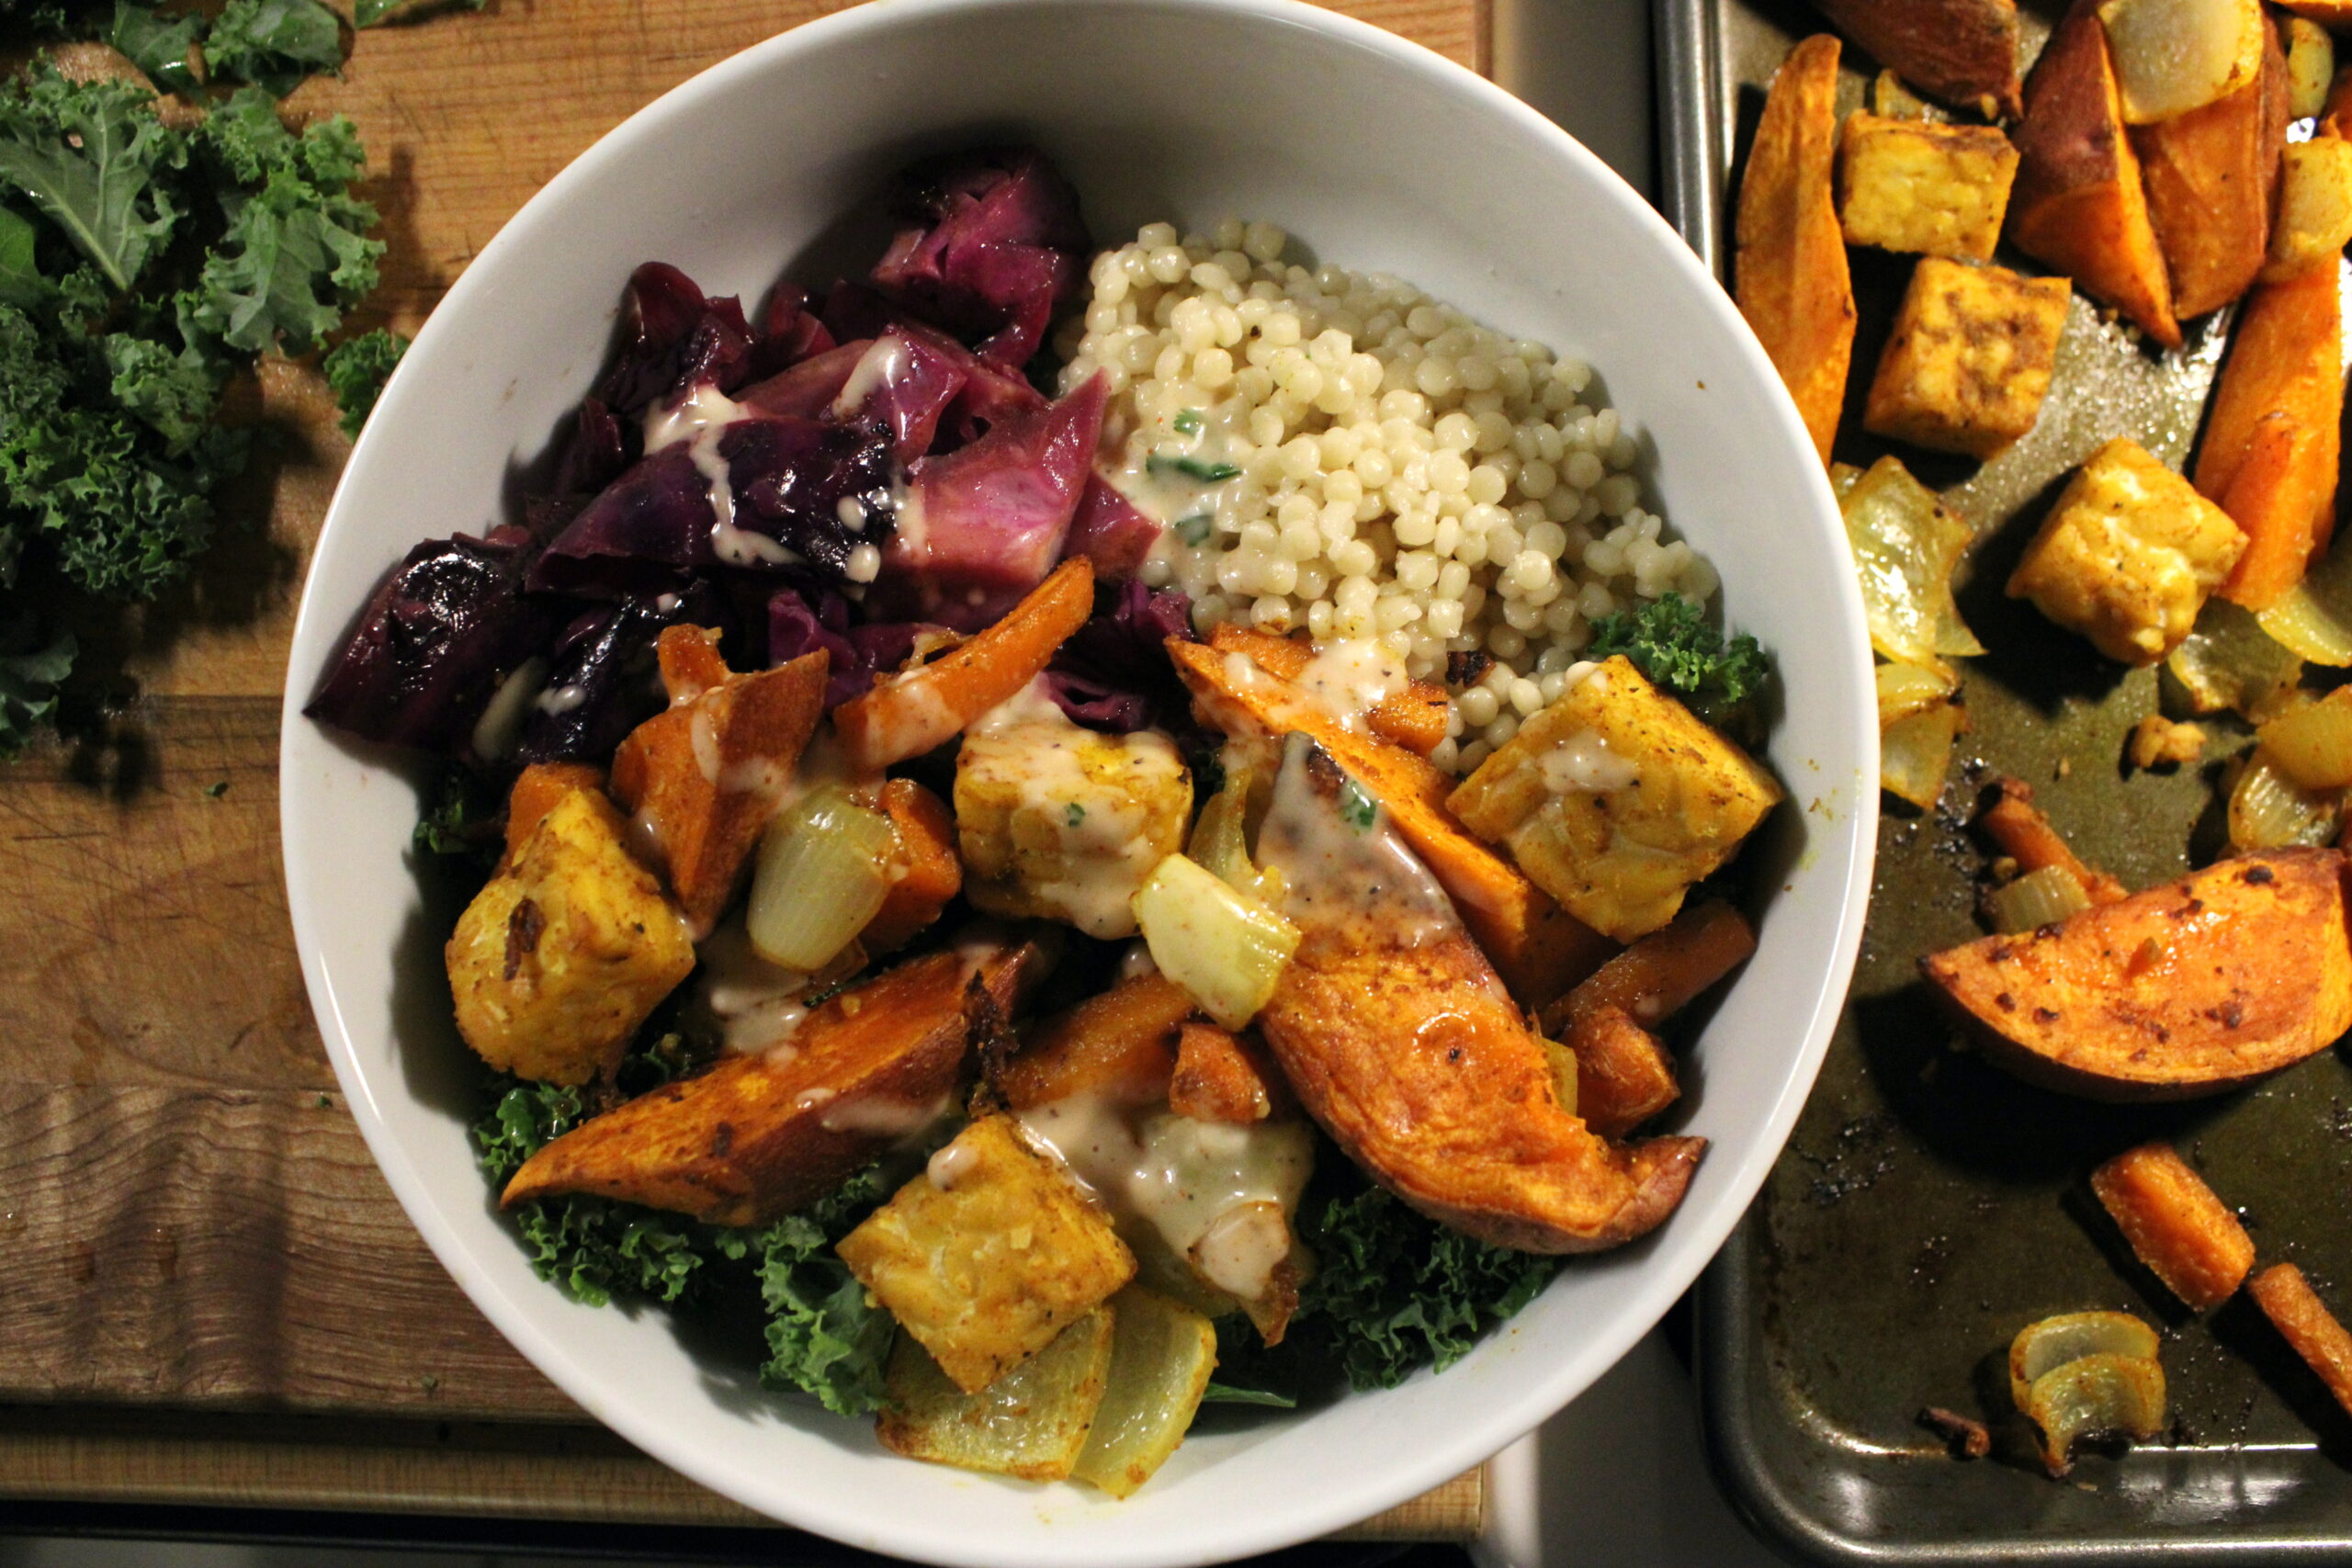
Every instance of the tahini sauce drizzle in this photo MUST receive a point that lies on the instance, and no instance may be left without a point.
(1354, 877)
(699, 419)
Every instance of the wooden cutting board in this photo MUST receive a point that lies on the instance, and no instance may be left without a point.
(198, 1245)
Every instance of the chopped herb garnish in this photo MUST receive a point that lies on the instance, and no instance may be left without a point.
(215, 791)
(1670, 640)
(1194, 530)
(1073, 814)
(1188, 423)
(1357, 808)
(1192, 469)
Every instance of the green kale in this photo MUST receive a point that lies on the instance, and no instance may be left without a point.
(31, 669)
(94, 159)
(20, 280)
(464, 819)
(1394, 1291)
(358, 370)
(296, 251)
(157, 44)
(367, 13)
(275, 44)
(1670, 640)
(824, 1336)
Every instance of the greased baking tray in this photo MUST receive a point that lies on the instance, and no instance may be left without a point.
(1929, 1205)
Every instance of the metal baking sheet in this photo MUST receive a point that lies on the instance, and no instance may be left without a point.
(1929, 1205)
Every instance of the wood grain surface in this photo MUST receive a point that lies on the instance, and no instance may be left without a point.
(194, 1228)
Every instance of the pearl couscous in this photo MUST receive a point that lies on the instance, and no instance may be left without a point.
(1340, 453)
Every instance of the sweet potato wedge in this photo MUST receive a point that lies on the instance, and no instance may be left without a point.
(1964, 51)
(1121, 1042)
(2288, 1299)
(1221, 1076)
(1790, 273)
(1539, 948)
(1414, 718)
(2078, 204)
(2024, 834)
(760, 1136)
(1657, 976)
(2185, 989)
(536, 790)
(924, 871)
(2186, 1235)
(690, 662)
(1398, 1038)
(2284, 357)
(703, 777)
(1623, 1075)
(907, 713)
(2211, 177)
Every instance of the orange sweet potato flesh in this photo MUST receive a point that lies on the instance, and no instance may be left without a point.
(1540, 947)
(1414, 718)
(703, 777)
(2078, 204)
(2186, 1235)
(910, 712)
(1964, 51)
(1222, 1076)
(2024, 834)
(2185, 989)
(1403, 1045)
(760, 1136)
(536, 790)
(2211, 177)
(1657, 976)
(926, 872)
(1790, 273)
(690, 662)
(1623, 1075)
(2284, 357)
(2288, 1299)
(1121, 1044)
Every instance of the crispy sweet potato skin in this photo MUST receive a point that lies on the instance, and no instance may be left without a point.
(2284, 357)
(2288, 1299)
(2186, 1235)
(1789, 274)
(2183, 990)
(1540, 949)
(1122, 1042)
(1963, 51)
(2078, 204)
(760, 1136)
(1623, 1075)
(1222, 1076)
(2211, 177)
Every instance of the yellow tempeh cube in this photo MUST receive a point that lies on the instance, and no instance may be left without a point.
(1911, 185)
(1970, 358)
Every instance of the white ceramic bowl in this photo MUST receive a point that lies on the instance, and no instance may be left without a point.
(1380, 155)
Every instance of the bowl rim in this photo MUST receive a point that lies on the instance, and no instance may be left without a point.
(1441, 1455)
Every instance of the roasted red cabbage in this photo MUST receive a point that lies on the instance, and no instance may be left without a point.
(995, 248)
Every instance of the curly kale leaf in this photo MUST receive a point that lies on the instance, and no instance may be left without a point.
(464, 820)
(1670, 640)
(296, 253)
(367, 13)
(358, 370)
(824, 1338)
(275, 44)
(157, 44)
(94, 159)
(30, 672)
(1394, 1291)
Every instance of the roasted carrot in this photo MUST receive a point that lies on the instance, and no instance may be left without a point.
(1623, 1075)
(1122, 1042)
(2286, 357)
(2185, 1235)
(2288, 1302)
(924, 871)
(536, 790)
(1221, 1076)
(1414, 718)
(1657, 976)
(907, 713)
(1789, 275)
(1538, 947)
(2017, 826)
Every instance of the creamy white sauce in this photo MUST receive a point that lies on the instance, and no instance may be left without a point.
(501, 724)
(884, 1115)
(756, 1004)
(699, 420)
(1349, 677)
(706, 409)
(667, 603)
(704, 733)
(887, 361)
(950, 1165)
(864, 564)
(852, 512)
(1182, 1178)
(1583, 764)
(1239, 1250)
(1166, 494)
(1354, 875)
(557, 701)
(1137, 961)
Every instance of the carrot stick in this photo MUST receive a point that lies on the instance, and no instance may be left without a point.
(2017, 825)
(906, 715)
(1414, 718)
(1657, 976)
(2185, 1235)
(2288, 1302)
(923, 863)
(1623, 1075)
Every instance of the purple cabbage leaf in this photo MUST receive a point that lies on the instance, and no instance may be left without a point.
(994, 247)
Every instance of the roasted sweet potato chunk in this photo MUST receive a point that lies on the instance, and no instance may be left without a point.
(1122, 1042)
(2288, 1299)
(760, 1136)
(1964, 51)
(1399, 1039)
(924, 873)
(703, 777)
(2211, 176)
(1414, 717)
(1623, 1075)
(1222, 1076)
(1539, 948)
(2186, 1237)
(1657, 977)
(538, 789)
(1789, 274)
(2185, 989)
(2078, 204)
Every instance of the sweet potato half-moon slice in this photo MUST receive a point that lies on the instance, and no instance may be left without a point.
(760, 1136)
(2185, 989)
(1401, 1041)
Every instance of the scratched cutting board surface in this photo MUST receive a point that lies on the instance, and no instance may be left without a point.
(193, 1226)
